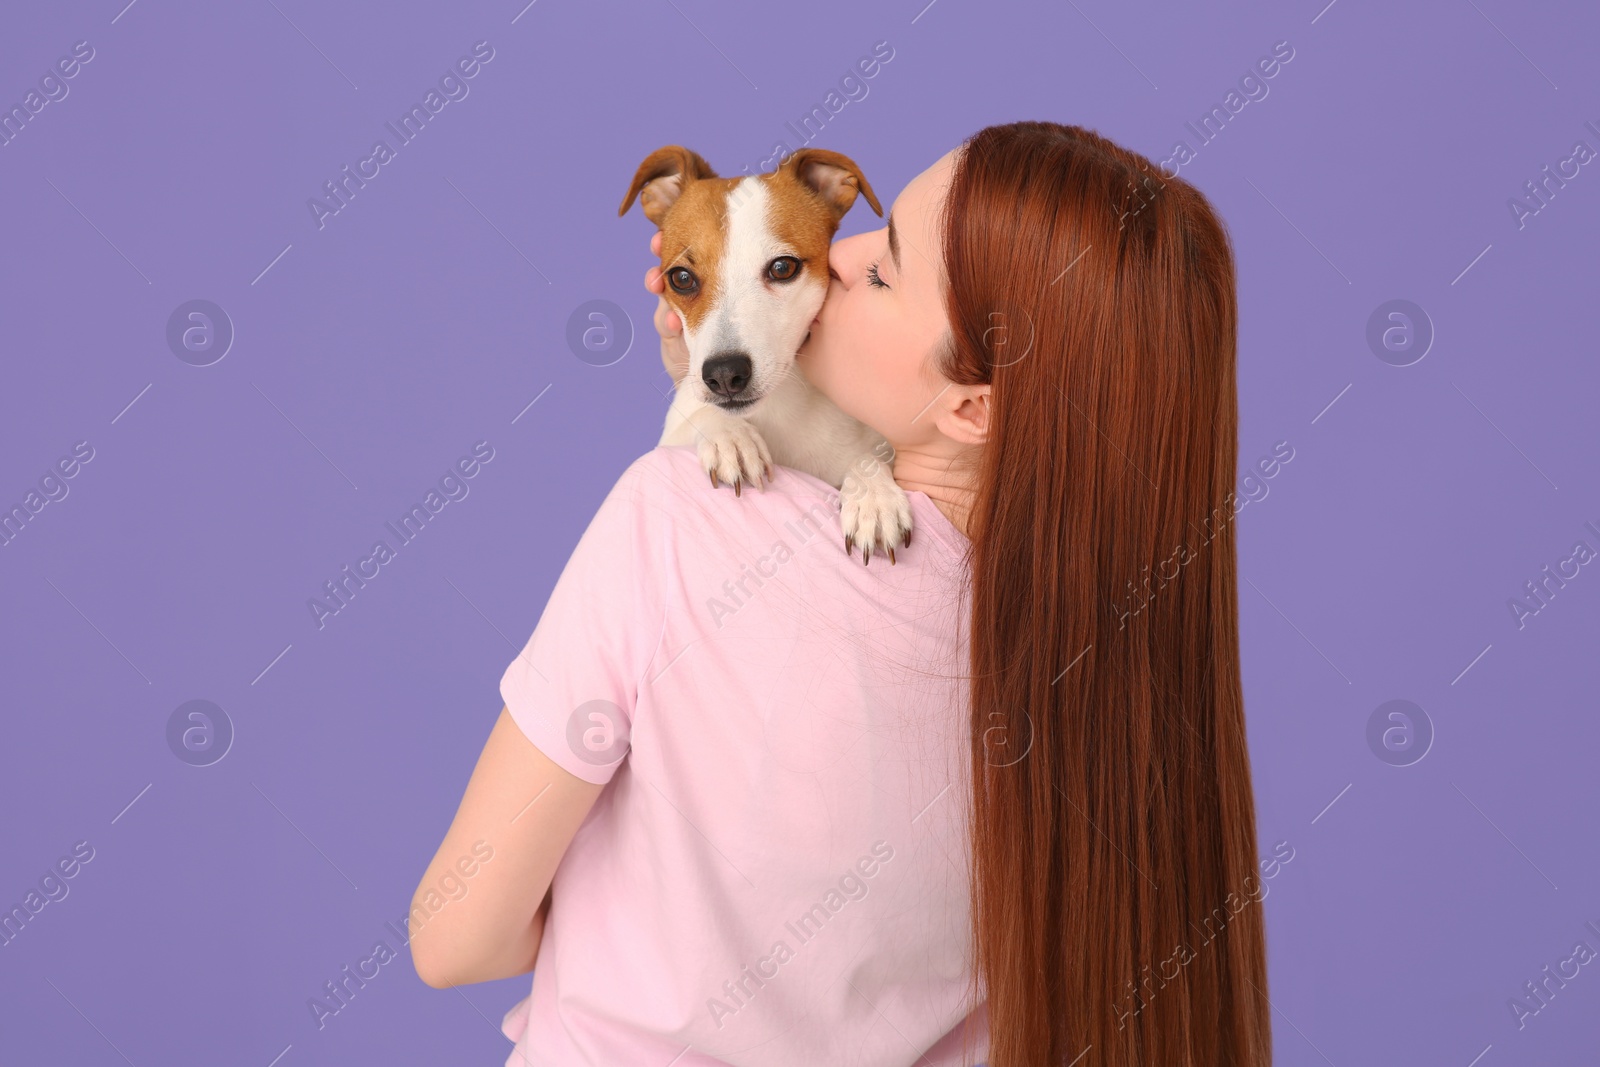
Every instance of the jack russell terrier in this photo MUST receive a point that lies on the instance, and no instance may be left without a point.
(745, 262)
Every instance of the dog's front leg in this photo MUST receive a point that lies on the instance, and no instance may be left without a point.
(809, 432)
(731, 449)
(873, 510)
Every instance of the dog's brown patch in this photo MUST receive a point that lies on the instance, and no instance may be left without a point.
(799, 219)
(808, 196)
(695, 235)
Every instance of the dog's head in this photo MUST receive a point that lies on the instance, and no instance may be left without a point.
(745, 260)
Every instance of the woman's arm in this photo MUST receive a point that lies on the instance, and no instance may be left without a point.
(521, 809)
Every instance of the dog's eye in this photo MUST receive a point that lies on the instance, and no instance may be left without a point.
(682, 280)
(783, 269)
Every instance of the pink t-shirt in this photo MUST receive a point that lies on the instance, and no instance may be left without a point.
(776, 873)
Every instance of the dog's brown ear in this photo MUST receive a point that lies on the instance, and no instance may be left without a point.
(832, 176)
(662, 176)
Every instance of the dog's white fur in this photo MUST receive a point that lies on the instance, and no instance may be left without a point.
(791, 423)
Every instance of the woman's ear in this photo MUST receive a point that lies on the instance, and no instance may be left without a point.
(965, 417)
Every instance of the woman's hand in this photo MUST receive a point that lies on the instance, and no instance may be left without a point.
(674, 353)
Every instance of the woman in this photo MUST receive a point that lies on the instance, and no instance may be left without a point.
(1046, 335)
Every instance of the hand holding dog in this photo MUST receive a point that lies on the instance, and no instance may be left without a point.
(674, 353)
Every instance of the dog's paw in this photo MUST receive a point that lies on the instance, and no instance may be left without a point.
(733, 451)
(875, 513)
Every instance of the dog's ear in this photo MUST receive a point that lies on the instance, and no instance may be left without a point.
(833, 177)
(662, 176)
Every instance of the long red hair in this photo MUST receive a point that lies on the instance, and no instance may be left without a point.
(1114, 883)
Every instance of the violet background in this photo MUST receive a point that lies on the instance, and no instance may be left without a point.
(431, 311)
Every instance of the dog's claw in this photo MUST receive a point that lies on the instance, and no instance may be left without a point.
(875, 514)
(732, 453)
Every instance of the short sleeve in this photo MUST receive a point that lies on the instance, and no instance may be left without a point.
(574, 687)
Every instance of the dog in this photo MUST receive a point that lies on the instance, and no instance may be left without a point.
(745, 262)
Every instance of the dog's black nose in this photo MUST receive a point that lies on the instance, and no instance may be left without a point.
(727, 376)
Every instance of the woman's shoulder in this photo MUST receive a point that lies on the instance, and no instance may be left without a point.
(675, 480)
(794, 506)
